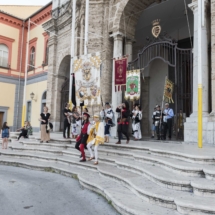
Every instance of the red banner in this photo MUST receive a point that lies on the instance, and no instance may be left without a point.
(120, 74)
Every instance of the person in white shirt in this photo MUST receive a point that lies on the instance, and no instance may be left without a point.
(167, 121)
(107, 115)
(137, 117)
(132, 118)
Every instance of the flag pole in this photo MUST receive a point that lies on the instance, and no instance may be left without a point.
(162, 104)
(26, 72)
(72, 50)
(200, 24)
(86, 27)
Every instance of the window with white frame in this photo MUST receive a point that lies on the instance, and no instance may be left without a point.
(4, 54)
(28, 118)
(43, 101)
(32, 59)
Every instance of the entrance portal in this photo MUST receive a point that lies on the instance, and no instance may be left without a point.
(63, 83)
(1, 119)
(176, 64)
(64, 100)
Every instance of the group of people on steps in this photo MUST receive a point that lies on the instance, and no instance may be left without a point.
(88, 134)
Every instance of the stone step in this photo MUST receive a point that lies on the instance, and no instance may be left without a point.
(174, 165)
(15, 132)
(194, 156)
(200, 186)
(155, 194)
(35, 150)
(183, 202)
(47, 145)
(154, 173)
(119, 196)
(170, 164)
(56, 140)
(166, 179)
(52, 158)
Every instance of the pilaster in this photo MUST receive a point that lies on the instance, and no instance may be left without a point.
(116, 96)
(51, 80)
(190, 127)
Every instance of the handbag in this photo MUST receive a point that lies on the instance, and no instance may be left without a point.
(51, 126)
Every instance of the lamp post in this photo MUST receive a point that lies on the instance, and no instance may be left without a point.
(32, 97)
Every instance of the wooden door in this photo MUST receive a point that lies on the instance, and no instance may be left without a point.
(1, 119)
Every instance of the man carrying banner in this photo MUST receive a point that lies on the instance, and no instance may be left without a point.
(167, 121)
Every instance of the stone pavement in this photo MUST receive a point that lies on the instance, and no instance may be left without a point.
(29, 192)
(140, 178)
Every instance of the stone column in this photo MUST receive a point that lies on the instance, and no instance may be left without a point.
(51, 79)
(190, 127)
(213, 55)
(204, 49)
(129, 49)
(116, 96)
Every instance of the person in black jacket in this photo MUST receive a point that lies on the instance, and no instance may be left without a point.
(67, 123)
(24, 131)
(123, 121)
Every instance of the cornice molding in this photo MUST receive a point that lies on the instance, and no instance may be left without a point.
(12, 21)
(7, 39)
(33, 40)
(41, 17)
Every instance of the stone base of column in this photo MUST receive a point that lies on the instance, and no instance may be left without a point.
(191, 129)
(56, 126)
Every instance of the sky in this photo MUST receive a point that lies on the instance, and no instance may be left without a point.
(24, 2)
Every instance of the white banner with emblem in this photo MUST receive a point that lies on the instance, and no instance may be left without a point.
(87, 79)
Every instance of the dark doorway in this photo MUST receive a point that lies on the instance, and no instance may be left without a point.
(64, 100)
(1, 119)
(180, 63)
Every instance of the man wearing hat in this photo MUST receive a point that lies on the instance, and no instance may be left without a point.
(107, 114)
(167, 121)
(81, 140)
(96, 137)
(157, 118)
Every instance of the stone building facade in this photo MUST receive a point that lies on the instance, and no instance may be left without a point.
(120, 27)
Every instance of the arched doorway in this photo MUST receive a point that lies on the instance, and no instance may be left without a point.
(63, 83)
(135, 21)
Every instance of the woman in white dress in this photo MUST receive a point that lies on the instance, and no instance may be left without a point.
(137, 117)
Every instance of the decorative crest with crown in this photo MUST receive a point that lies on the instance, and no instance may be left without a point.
(156, 29)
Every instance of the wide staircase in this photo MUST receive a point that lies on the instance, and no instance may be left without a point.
(137, 179)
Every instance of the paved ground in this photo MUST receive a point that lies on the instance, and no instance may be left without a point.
(27, 192)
